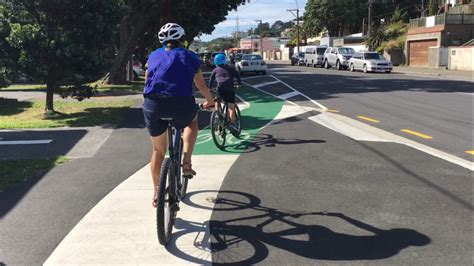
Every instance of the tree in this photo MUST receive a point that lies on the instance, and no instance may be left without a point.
(144, 18)
(61, 42)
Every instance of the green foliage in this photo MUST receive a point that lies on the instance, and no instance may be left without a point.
(387, 37)
(333, 16)
(59, 42)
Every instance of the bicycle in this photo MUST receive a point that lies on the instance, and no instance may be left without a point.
(220, 123)
(172, 185)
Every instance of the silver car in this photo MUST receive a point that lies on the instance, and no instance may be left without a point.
(338, 57)
(370, 62)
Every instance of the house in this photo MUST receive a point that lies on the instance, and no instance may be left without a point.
(253, 43)
(428, 38)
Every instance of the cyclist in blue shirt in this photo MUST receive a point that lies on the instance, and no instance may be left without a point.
(170, 73)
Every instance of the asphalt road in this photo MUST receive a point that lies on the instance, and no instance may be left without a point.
(307, 195)
(439, 108)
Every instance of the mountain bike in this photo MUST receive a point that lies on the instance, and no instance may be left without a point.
(220, 123)
(172, 185)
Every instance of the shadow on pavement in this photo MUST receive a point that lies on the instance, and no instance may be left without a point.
(244, 239)
(13, 106)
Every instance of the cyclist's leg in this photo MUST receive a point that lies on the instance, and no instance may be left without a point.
(157, 131)
(158, 153)
(229, 97)
(186, 118)
(189, 139)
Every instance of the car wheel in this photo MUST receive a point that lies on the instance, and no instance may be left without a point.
(264, 72)
(135, 76)
(388, 72)
(364, 68)
(352, 67)
(338, 65)
(326, 64)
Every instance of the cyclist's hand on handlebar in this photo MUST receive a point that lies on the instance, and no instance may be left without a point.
(208, 104)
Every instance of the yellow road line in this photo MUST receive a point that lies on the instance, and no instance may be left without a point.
(470, 152)
(421, 135)
(368, 119)
(331, 110)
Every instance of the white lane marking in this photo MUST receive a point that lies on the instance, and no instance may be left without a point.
(254, 77)
(26, 142)
(309, 99)
(265, 84)
(288, 95)
(467, 93)
(364, 132)
(266, 92)
(207, 73)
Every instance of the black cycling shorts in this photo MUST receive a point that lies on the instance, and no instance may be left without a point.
(226, 95)
(155, 107)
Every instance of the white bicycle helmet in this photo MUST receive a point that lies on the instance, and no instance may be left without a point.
(170, 31)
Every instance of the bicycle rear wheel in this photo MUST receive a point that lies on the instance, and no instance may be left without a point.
(218, 129)
(165, 211)
(183, 180)
(237, 122)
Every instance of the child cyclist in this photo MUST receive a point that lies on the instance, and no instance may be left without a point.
(225, 75)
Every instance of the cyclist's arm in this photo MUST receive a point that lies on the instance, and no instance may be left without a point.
(237, 76)
(211, 79)
(202, 87)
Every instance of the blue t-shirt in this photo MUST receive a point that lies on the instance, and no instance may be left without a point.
(171, 73)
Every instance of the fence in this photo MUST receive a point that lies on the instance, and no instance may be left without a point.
(448, 19)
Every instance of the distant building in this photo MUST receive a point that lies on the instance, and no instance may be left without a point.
(253, 44)
(428, 37)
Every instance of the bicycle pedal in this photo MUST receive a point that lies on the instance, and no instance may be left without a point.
(175, 208)
(188, 176)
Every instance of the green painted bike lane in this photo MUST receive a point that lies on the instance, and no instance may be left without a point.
(263, 109)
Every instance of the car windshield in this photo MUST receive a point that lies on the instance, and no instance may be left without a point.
(320, 51)
(251, 57)
(346, 51)
(373, 56)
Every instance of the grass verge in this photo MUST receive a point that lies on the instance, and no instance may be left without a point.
(14, 172)
(18, 114)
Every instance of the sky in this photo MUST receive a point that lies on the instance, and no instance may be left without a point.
(266, 10)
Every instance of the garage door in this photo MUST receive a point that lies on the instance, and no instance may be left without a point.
(419, 52)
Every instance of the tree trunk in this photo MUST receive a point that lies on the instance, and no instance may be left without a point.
(131, 28)
(50, 88)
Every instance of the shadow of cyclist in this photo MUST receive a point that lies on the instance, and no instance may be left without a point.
(323, 243)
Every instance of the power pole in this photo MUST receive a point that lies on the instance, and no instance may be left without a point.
(297, 26)
(369, 25)
(260, 23)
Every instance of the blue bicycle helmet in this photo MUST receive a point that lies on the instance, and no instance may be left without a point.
(220, 59)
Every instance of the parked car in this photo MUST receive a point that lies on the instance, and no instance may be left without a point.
(138, 70)
(297, 59)
(251, 63)
(314, 56)
(338, 57)
(370, 62)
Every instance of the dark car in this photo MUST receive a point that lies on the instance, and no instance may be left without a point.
(297, 59)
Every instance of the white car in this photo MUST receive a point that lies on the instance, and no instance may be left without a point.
(370, 62)
(251, 63)
(338, 57)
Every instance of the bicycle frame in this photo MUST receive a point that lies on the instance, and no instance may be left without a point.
(174, 141)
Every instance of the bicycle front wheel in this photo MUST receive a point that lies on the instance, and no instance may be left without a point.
(165, 212)
(218, 129)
